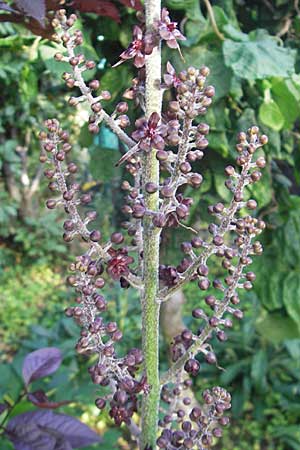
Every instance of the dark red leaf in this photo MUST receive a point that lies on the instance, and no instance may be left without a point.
(40, 399)
(135, 4)
(33, 8)
(103, 8)
(41, 363)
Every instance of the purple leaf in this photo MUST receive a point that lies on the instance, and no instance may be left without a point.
(33, 8)
(41, 363)
(45, 430)
(5, 7)
(25, 434)
(63, 445)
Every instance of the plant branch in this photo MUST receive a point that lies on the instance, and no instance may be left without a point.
(86, 92)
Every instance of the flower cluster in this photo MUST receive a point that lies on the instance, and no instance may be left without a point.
(176, 141)
(97, 337)
(200, 426)
(142, 44)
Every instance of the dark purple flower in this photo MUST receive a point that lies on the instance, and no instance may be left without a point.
(137, 49)
(149, 133)
(171, 79)
(117, 266)
(168, 30)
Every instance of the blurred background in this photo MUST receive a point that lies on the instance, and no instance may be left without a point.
(252, 49)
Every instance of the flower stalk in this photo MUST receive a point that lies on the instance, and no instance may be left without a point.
(150, 234)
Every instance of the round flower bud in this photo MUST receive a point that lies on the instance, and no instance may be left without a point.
(68, 195)
(210, 358)
(204, 284)
(209, 91)
(204, 71)
(196, 179)
(251, 204)
(94, 85)
(203, 128)
(218, 240)
(182, 211)
(192, 366)
(263, 139)
(167, 191)
(151, 187)
(261, 162)
(90, 65)
(100, 403)
(95, 235)
(202, 270)
(198, 313)
(51, 203)
(255, 176)
(185, 167)
(162, 155)
(197, 242)
(117, 238)
(93, 128)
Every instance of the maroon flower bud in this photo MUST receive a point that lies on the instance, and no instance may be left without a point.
(51, 203)
(94, 85)
(95, 235)
(192, 366)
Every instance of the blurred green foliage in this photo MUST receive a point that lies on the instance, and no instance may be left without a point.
(255, 67)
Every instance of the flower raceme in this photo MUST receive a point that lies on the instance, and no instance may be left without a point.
(177, 139)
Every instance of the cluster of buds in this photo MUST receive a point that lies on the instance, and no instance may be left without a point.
(232, 242)
(97, 336)
(175, 129)
(197, 428)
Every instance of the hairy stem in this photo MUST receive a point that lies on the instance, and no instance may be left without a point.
(150, 306)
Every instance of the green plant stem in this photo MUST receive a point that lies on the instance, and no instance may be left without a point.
(10, 410)
(150, 306)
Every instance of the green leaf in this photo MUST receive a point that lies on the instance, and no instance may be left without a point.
(104, 156)
(270, 115)
(233, 371)
(259, 368)
(257, 56)
(276, 328)
(293, 347)
(110, 439)
(291, 296)
(287, 97)
(28, 84)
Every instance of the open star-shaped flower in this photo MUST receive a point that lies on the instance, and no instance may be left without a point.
(149, 133)
(168, 30)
